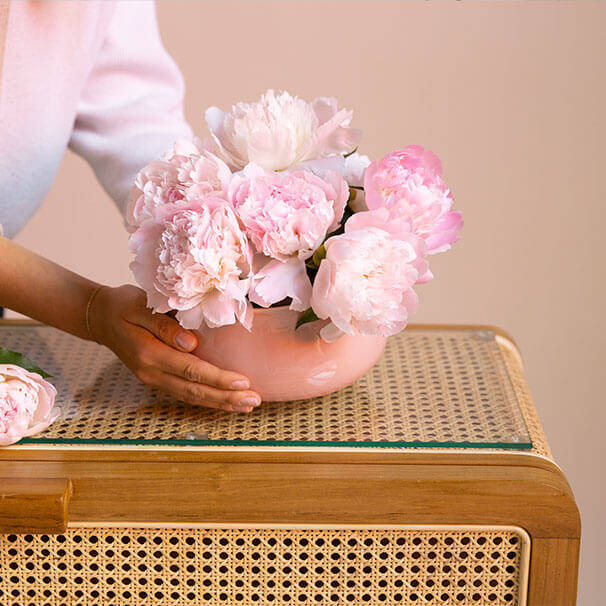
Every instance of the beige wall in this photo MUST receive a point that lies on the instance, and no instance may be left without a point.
(512, 98)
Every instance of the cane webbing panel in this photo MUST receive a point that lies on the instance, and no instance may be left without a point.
(126, 566)
(431, 388)
(531, 417)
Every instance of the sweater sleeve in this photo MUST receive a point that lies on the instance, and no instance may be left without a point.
(131, 108)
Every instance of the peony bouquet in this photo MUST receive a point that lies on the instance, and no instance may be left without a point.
(277, 207)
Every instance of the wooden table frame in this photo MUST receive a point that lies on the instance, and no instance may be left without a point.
(45, 488)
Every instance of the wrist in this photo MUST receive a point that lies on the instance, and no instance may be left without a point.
(93, 316)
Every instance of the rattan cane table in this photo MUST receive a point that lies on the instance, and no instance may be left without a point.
(429, 481)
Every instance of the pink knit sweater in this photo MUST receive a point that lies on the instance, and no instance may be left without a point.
(91, 75)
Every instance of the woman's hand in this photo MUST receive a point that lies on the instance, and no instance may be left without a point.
(157, 350)
(153, 346)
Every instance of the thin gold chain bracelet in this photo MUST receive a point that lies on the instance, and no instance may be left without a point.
(88, 307)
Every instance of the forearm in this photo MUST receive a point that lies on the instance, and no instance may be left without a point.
(152, 345)
(43, 290)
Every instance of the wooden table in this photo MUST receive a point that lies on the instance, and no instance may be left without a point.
(429, 481)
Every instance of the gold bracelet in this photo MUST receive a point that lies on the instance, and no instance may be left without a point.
(88, 306)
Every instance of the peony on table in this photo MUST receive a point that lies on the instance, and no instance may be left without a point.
(427, 481)
(26, 398)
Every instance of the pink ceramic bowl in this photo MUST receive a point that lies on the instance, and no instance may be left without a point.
(284, 364)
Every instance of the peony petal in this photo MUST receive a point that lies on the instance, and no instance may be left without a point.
(43, 423)
(425, 277)
(271, 152)
(355, 169)
(46, 400)
(245, 314)
(381, 218)
(340, 201)
(278, 280)
(325, 302)
(445, 233)
(335, 189)
(219, 310)
(335, 136)
(372, 192)
(321, 166)
(410, 300)
(191, 319)
(417, 158)
(143, 243)
(183, 146)
(322, 285)
(324, 108)
(223, 142)
(15, 432)
(352, 168)
(330, 333)
(215, 119)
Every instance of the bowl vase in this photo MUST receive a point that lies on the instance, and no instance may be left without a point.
(285, 363)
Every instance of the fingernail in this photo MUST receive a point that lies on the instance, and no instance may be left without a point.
(241, 408)
(185, 341)
(240, 384)
(249, 401)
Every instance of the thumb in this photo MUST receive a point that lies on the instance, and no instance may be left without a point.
(169, 331)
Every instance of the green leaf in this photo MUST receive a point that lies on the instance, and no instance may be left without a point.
(306, 317)
(12, 357)
(314, 261)
(350, 153)
(319, 255)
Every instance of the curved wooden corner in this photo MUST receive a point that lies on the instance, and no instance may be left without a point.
(32, 505)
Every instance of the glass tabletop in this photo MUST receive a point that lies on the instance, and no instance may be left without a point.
(432, 388)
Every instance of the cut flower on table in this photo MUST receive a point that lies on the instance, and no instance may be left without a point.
(26, 398)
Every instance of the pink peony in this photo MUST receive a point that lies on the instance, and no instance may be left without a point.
(196, 260)
(287, 217)
(280, 130)
(183, 174)
(156, 185)
(288, 214)
(409, 183)
(26, 404)
(365, 283)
